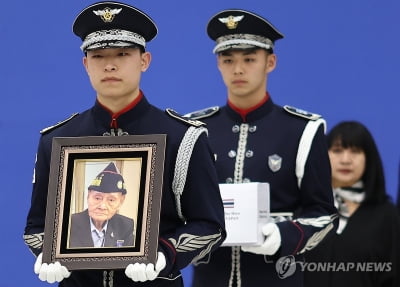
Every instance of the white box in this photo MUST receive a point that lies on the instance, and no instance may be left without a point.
(246, 207)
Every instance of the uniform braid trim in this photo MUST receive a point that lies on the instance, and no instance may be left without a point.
(182, 163)
(34, 241)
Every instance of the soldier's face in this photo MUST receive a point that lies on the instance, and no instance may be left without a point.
(103, 206)
(245, 71)
(115, 72)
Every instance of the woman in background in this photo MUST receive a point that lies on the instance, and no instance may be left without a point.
(365, 251)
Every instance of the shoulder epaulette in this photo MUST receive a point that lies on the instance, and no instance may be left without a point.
(301, 113)
(204, 113)
(60, 123)
(182, 118)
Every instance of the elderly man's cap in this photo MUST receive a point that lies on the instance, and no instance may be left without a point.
(240, 29)
(109, 180)
(113, 25)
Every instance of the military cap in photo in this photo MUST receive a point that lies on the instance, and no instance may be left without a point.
(240, 29)
(111, 24)
(109, 180)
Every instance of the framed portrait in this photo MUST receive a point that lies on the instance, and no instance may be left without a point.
(104, 201)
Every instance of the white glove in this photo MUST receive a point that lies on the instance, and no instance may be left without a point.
(144, 272)
(272, 241)
(53, 272)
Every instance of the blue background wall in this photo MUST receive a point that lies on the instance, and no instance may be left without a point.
(339, 58)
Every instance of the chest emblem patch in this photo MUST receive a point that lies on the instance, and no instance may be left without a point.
(274, 162)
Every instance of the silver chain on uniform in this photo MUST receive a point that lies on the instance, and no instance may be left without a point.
(114, 133)
(238, 178)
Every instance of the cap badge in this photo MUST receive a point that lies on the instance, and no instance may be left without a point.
(120, 184)
(97, 180)
(107, 14)
(231, 21)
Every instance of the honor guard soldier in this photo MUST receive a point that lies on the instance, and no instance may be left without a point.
(114, 37)
(256, 140)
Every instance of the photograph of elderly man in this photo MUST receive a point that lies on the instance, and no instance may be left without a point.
(100, 225)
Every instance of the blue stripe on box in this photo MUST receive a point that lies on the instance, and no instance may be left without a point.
(229, 203)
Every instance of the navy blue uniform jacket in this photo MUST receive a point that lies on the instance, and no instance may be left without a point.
(201, 201)
(243, 150)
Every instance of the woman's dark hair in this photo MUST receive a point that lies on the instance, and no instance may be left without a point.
(350, 134)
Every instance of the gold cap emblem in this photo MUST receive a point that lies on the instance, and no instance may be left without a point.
(231, 21)
(107, 14)
(97, 180)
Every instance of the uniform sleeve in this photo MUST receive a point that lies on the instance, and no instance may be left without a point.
(201, 203)
(317, 215)
(34, 229)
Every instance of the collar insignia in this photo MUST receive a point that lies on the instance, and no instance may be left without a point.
(231, 21)
(107, 14)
